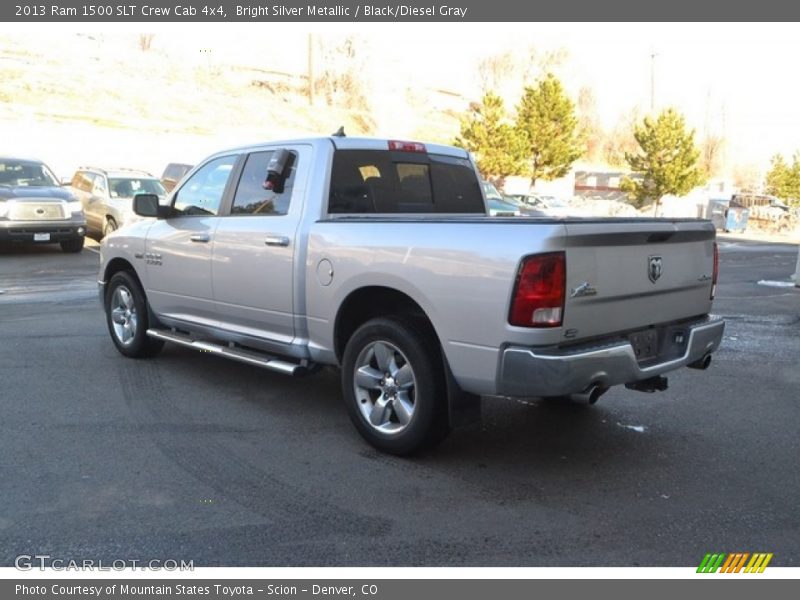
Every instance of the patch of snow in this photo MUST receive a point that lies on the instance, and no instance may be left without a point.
(636, 428)
(777, 284)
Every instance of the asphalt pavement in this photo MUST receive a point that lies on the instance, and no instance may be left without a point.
(191, 457)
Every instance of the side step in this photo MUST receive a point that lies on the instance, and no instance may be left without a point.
(249, 357)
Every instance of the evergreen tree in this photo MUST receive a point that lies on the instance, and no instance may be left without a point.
(494, 142)
(783, 179)
(548, 125)
(779, 176)
(792, 195)
(667, 161)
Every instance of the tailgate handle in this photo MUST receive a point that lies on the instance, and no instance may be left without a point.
(276, 240)
(200, 237)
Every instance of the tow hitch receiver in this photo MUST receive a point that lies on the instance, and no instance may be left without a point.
(654, 384)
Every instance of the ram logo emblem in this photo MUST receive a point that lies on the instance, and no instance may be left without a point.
(654, 267)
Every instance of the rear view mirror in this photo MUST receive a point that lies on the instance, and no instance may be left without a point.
(146, 205)
(277, 170)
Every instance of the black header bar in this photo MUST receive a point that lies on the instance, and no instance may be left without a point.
(412, 11)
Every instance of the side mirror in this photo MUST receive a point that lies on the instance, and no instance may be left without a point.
(146, 205)
(277, 168)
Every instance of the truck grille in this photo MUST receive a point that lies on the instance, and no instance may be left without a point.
(32, 211)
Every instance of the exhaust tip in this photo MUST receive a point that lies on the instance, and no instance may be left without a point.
(591, 395)
(701, 364)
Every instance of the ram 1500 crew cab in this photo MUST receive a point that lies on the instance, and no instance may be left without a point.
(378, 257)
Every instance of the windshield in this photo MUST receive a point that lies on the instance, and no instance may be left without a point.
(128, 187)
(26, 173)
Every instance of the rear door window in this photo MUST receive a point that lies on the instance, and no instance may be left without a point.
(252, 195)
(388, 182)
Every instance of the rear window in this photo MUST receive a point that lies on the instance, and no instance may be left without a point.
(386, 182)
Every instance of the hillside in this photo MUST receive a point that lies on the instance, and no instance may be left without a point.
(74, 99)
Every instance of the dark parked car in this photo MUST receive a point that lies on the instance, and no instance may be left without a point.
(35, 208)
(173, 174)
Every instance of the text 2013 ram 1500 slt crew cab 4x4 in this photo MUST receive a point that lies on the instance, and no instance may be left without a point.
(377, 256)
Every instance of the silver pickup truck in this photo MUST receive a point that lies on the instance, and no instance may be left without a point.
(378, 257)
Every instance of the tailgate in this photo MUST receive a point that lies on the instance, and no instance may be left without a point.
(624, 276)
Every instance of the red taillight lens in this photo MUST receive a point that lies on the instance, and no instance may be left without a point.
(716, 271)
(538, 299)
(406, 146)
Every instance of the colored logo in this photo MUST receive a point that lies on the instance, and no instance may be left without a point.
(736, 562)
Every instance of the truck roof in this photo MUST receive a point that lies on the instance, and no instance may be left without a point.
(355, 143)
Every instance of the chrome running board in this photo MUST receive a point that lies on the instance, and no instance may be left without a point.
(250, 357)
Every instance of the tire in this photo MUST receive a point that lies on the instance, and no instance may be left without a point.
(127, 317)
(406, 411)
(72, 246)
(109, 226)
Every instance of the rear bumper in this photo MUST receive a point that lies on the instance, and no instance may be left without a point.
(26, 231)
(557, 371)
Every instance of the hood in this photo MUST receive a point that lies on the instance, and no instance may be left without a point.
(43, 193)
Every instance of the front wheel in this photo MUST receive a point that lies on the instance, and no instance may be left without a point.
(394, 386)
(126, 317)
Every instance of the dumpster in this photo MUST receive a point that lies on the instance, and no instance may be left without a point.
(717, 212)
(736, 217)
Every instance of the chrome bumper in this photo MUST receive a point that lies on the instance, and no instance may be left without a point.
(555, 372)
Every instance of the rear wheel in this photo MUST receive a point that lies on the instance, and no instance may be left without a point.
(72, 246)
(394, 387)
(126, 317)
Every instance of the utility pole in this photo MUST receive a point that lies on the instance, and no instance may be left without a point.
(311, 69)
(653, 81)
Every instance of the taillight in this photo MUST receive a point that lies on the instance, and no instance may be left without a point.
(406, 146)
(716, 271)
(538, 299)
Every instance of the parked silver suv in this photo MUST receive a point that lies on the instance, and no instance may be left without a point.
(107, 196)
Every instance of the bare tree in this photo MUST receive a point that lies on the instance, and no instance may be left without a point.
(589, 124)
(146, 41)
(508, 72)
(620, 140)
(711, 155)
(339, 72)
(747, 178)
(495, 70)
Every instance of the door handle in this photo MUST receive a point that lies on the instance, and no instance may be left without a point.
(200, 237)
(276, 240)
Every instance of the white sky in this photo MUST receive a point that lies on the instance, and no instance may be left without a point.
(739, 80)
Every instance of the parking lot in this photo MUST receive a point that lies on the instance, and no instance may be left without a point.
(191, 457)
